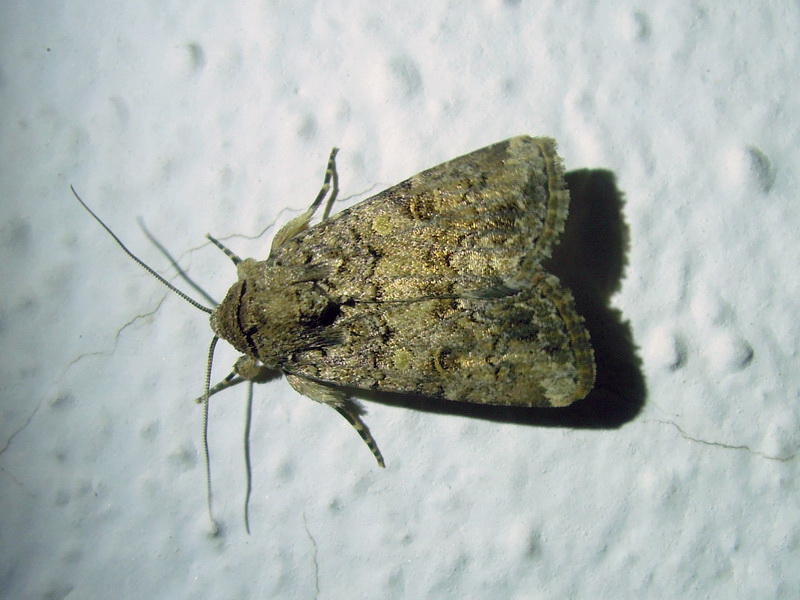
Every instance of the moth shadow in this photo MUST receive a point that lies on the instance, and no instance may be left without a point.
(590, 260)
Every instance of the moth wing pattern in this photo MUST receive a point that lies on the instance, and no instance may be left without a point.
(522, 349)
(435, 287)
(480, 222)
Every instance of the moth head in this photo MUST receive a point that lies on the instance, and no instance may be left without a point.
(242, 315)
(226, 322)
(229, 319)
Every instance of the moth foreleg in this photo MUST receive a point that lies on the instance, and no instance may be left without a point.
(246, 368)
(341, 404)
(298, 224)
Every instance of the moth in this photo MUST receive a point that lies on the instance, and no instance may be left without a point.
(433, 287)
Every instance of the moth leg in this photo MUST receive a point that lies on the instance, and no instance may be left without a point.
(298, 224)
(341, 404)
(246, 368)
(331, 169)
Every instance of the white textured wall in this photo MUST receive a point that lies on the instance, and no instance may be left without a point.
(220, 119)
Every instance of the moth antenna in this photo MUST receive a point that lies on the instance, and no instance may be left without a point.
(139, 261)
(233, 378)
(228, 252)
(173, 261)
(247, 462)
(213, 345)
(206, 450)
